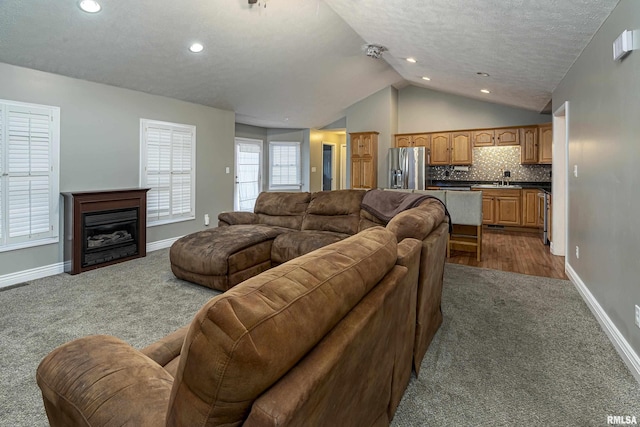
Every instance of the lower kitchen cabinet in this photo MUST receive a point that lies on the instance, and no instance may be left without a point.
(502, 207)
(530, 208)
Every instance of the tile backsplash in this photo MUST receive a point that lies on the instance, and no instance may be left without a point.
(488, 163)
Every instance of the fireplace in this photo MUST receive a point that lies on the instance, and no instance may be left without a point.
(104, 227)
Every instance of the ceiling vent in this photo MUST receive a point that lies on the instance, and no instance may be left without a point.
(374, 50)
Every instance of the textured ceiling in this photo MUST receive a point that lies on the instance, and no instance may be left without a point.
(299, 63)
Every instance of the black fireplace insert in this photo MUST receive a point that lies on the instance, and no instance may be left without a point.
(109, 235)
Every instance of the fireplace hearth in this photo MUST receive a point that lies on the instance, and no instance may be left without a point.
(104, 227)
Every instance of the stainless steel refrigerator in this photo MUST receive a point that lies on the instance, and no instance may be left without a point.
(409, 168)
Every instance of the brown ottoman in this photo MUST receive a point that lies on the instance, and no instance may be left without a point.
(222, 257)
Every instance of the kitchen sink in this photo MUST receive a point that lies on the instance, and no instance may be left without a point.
(495, 186)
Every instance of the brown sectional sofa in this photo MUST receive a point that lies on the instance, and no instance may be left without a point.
(286, 225)
(324, 339)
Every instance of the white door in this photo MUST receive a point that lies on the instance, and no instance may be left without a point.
(248, 169)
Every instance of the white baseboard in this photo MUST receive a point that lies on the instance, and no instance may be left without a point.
(161, 244)
(53, 269)
(31, 274)
(629, 356)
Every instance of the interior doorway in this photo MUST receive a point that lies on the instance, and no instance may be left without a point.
(559, 189)
(248, 173)
(328, 166)
(343, 166)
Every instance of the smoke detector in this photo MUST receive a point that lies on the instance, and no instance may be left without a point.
(374, 50)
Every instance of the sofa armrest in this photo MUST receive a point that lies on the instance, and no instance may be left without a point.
(166, 349)
(235, 218)
(100, 380)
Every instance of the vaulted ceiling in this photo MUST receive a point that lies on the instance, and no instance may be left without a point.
(300, 63)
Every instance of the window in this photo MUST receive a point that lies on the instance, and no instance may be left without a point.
(29, 174)
(168, 170)
(284, 166)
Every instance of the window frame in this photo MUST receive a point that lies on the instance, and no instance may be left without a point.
(168, 126)
(289, 186)
(52, 236)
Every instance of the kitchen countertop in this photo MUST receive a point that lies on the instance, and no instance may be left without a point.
(546, 186)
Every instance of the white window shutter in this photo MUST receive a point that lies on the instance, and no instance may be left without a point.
(30, 174)
(158, 172)
(181, 177)
(168, 161)
(2, 173)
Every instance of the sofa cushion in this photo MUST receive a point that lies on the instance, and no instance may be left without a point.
(284, 209)
(241, 342)
(291, 245)
(337, 211)
(419, 221)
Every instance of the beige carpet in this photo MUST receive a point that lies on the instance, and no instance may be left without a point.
(514, 350)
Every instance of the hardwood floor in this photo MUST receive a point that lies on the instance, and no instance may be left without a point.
(516, 252)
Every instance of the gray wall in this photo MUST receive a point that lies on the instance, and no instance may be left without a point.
(603, 202)
(425, 110)
(100, 148)
(378, 113)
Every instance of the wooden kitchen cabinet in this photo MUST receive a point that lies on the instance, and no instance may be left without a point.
(440, 148)
(507, 137)
(545, 137)
(529, 145)
(451, 148)
(461, 151)
(536, 144)
(530, 208)
(364, 160)
(483, 138)
(413, 140)
(502, 207)
(488, 209)
(491, 137)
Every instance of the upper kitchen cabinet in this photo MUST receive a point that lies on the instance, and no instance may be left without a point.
(545, 136)
(413, 140)
(440, 148)
(536, 144)
(491, 137)
(529, 145)
(364, 160)
(451, 148)
(461, 152)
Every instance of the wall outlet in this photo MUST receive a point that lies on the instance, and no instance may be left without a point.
(575, 170)
(206, 219)
(637, 316)
(578, 252)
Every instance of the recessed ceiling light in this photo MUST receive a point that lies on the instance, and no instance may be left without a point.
(90, 6)
(412, 60)
(480, 73)
(485, 91)
(426, 78)
(196, 48)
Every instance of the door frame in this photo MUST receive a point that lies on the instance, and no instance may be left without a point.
(333, 165)
(236, 141)
(560, 181)
(343, 166)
